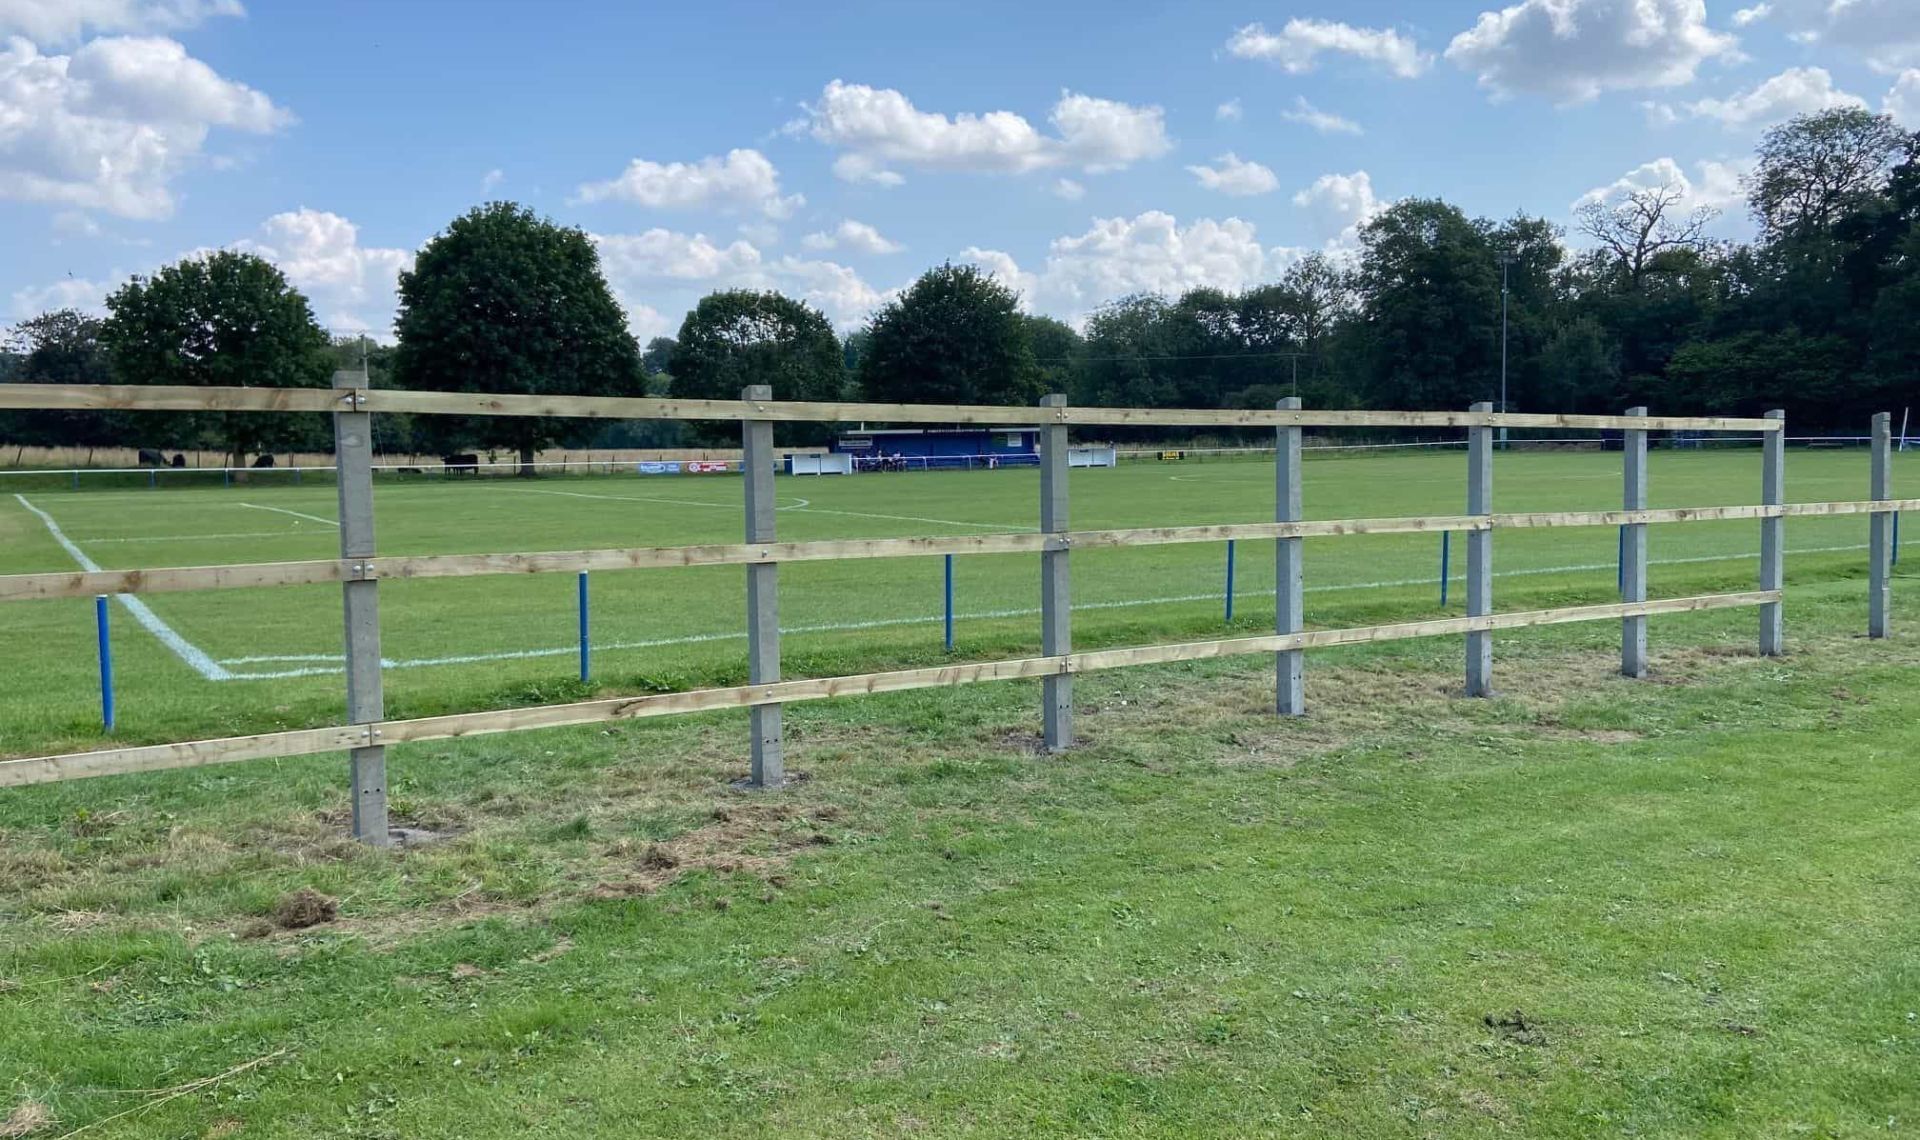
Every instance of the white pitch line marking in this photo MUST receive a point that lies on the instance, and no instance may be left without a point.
(883, 623)
(196, 658)
(196, 537)
(295, 514)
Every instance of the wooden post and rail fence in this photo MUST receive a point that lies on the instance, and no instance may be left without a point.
(359, 569)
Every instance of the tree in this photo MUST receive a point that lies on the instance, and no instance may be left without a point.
(504, 301)
(739, 337)
(1816, 168)
(1058, 352)
(221, 319)
(955, 337)
(60, 347)
(1126, 352)
(1641, 225)
(657, 357)
(1429, 286)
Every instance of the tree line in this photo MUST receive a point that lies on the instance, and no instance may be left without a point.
(1819, 314)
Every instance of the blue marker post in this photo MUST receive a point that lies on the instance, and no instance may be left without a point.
(586, 651)
(1229, 581)
(106, 661)
(949, 603)
(1446, 569)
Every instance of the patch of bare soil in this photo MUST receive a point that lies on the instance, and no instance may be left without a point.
(1516, 1027)
(740, 838)
(303, 908)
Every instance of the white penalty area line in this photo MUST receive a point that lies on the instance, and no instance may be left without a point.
(196, 658)
(323, 664)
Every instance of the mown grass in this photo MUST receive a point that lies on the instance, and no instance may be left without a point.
(1590, 906)
(683, 628)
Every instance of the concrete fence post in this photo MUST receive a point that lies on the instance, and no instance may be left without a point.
(1480, 555)
(1056, 609)
(360, 605)
(763, 594)
(1288, 570)
(1773, 536)
(1633, 551)
(1880, 532)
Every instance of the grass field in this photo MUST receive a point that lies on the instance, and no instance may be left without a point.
(249, 660)
(1590, 906)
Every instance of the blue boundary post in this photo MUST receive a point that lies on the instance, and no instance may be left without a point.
(106, 661)
(586, 652)
(948, 607)
(1229, 581)
(1446, 567)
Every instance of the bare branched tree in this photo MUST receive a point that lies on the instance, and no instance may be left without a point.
(1642, 224)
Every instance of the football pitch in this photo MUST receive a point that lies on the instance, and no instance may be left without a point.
(214, 663)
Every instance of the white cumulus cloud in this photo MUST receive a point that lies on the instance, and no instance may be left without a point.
(1338, 205)
(1573, 50)
(1229, 111)
(1886, 33)
(68, 21)
(742, 179)
(1714, 183)
(851, 235)
(1326, 122)
(109, 127)
(352, 286)
(1903, 99)
(878, 129)
(647, 270)
(1795, 91)
(1150, 252)
(1068, 189)
(1298, 45)
(1233, 175)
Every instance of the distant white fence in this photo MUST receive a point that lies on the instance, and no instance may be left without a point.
(832, 463)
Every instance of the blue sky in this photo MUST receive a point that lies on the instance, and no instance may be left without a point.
(1082, 151)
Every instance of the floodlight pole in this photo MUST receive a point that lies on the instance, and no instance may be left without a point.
(1506, 261)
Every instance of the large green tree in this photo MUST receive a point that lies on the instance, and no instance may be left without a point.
(956, 336)
(220, 319)
(742, 336)
(1429, 283)
(1815, 169)
(59, 347)
(505, 301)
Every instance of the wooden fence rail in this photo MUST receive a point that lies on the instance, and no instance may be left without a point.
(80, 397)
(360, 569)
